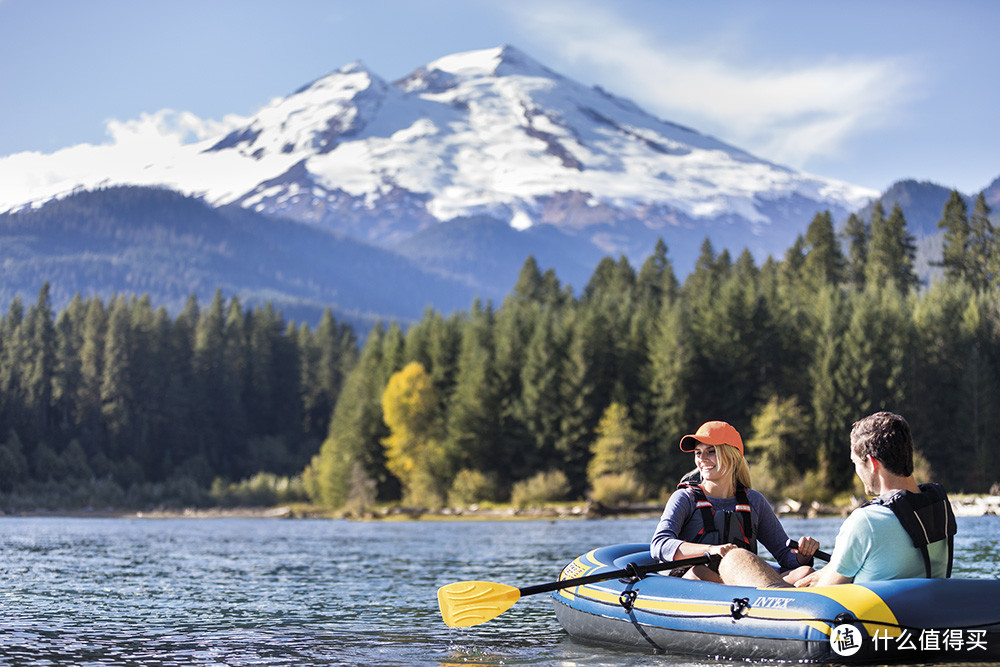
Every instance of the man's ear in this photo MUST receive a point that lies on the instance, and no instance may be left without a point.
(875, 463)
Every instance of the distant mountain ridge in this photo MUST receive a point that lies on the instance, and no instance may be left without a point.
(140, 240)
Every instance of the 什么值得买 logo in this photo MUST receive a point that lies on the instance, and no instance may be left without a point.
(845, 640)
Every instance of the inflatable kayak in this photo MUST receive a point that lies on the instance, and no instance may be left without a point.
(913, 620)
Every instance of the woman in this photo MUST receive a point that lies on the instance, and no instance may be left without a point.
(716, 511)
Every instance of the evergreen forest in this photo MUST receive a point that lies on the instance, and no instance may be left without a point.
(550, 395)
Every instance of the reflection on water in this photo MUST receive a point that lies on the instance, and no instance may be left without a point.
(279, 592)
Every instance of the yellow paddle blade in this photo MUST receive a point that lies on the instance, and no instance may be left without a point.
(466, 603)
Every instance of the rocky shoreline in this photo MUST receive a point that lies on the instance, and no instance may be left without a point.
(975, 505)
(963, 505)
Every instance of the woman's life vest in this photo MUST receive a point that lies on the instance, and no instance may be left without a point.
(722, 526)
(927, 517)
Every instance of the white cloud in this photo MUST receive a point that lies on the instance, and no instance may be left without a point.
(155, 149)
(790, 114)
(168, 128)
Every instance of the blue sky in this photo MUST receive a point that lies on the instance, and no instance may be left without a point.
(866, 92)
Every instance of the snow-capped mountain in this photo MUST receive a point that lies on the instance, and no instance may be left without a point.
(485, 134)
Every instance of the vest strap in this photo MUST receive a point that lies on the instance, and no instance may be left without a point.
(926, 517)
(743, 512)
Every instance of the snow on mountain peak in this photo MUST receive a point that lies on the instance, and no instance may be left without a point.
(489, 132)
(316, 118)
(499, 61)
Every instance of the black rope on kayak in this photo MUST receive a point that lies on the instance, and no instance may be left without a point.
(838, 620)
(634, 574)
(740, 607)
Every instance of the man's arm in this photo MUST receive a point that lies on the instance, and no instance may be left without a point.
(826, 576)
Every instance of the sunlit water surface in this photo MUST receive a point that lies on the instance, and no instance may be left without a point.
(310, 592)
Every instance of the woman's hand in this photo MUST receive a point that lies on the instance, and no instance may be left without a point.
(807, 548)
(721, 550)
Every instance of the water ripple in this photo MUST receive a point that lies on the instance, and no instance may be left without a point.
(270, 592)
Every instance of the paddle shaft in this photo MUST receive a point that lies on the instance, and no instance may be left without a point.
(634, 570)
(822, 555)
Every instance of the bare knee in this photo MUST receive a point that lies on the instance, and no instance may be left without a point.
(735, 562)
(743, 568)
(702, 573)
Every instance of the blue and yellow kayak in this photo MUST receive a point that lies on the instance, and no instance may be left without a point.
(913, 620)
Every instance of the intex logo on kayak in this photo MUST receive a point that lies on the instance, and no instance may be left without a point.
(771, 603)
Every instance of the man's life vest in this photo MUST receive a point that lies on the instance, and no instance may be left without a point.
(927, 517)
(723, 526)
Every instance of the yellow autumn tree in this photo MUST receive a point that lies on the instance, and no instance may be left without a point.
(614, 465)
(414, 449)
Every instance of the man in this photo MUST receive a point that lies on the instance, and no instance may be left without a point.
(906, 531)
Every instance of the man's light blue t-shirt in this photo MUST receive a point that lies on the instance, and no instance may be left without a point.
(872, 546)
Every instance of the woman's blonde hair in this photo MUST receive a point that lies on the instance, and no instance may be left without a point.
(733, 462)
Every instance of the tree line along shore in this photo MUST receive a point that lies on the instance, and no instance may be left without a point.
(551, 396)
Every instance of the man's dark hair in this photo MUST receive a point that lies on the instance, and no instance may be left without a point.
(884, 436)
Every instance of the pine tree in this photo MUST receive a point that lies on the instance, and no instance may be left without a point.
(231, 457)
(984, 249)
(88, 403)
(980, 391)
(149, 339)
(706, 275)
(834, 403)
(212, 391)
(529, 286)
(904, 273)
(13, 348)
(891, 253)
(873, 369)
(515, 323)
(68, 376)
(434, 343)
(955, 250)
(824, 262)
(473, 414)
(539, 407)
(326, 357)
(184, 456)
(117, 404)
(670, 368)
(589, 379)
(356, 432)
(38, 366)
(858, 234)
(655, 286)
(792, 269)
(945, 324)
(726, 333)
(656, 281)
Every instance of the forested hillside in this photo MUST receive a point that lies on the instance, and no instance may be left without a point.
(550, 394)
(120, 404)
(141, 240)
(520, 401)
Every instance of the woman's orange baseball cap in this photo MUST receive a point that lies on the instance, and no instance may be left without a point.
(713, 433)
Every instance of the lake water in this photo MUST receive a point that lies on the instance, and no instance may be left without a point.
(304, 592)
